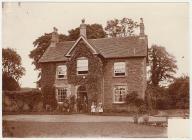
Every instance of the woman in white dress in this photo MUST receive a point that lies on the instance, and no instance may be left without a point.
(93, 108)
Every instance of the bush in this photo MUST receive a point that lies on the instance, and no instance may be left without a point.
(20, 101)
(134, 100)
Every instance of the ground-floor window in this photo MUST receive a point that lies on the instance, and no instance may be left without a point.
(120, 92)
(61, 94)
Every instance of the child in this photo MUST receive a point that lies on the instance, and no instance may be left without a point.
(93, 108)
(100, 108)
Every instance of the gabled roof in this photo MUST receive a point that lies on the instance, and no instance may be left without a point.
(85, 40)
(118, 47)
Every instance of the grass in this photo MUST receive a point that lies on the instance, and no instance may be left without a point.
(81, 129)
(65, 113)
(176, 112)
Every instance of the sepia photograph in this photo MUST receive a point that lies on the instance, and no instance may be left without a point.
(95, 70)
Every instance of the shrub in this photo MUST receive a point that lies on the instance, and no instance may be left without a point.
(19, 101)
(134, 100)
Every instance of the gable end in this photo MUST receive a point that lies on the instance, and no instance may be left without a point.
(85, 40)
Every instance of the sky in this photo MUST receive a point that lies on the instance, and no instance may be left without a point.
(166, 24)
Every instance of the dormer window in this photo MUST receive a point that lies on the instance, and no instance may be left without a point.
(82, 66)
(61, 72)
(119, 69)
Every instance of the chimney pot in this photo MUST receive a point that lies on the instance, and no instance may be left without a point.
(142, 27)
(83, 29)
(54, 37)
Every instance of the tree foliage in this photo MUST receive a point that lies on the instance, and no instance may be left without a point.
(175, 96)
(94, 31)
(41, 44)
(12, 69)
(162, 65)
(133, 99)
(9, 83)
(157, 97)
(121, 27)
(179, 92)
(12, 64)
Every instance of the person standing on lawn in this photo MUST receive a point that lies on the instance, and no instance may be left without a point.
(93, 108)
(100, 108)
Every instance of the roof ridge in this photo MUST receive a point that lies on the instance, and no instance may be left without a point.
(66, 41)
(113, 37)
(102, 38)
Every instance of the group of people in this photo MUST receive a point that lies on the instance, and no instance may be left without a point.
(96, 108)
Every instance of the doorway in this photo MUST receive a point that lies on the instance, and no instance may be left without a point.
(82, 100)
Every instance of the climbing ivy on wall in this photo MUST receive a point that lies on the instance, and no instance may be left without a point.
(94, 77)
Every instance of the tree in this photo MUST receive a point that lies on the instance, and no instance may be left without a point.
(157, 97)
(162, 65)
(123, 27)
(42, 43)
(134, 100)
(9, 83)
(179, 92)
(94, 31)
(12, 68)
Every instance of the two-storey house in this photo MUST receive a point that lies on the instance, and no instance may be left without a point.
(101, 70)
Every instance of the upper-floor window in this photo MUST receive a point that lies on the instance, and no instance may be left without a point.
(120, 92)
(82, 65)
(62, 72)
(119, 69)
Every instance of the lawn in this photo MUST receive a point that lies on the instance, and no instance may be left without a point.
(81, 129)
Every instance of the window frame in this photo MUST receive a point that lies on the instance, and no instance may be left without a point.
(126, 92)
(62, 90)
(57, 73)
(114, 73)
(82, 58)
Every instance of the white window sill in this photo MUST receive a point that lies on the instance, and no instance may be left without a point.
(118, 76)
(119, 102)
(82, 74)
(60, 103)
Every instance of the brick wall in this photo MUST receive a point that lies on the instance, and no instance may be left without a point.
(135, 80)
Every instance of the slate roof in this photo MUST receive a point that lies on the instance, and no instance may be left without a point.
(118, 47)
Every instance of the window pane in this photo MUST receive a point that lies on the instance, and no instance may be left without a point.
(61, 71)
(62, 94)
(120, 94)
(82, 66)
(119, 68)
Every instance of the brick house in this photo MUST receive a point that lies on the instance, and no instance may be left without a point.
(101, 70)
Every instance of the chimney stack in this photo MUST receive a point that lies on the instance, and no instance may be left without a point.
(83, 29)
(54, 37)
(142, 27)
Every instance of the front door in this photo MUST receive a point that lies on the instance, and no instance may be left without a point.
(82, 100)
